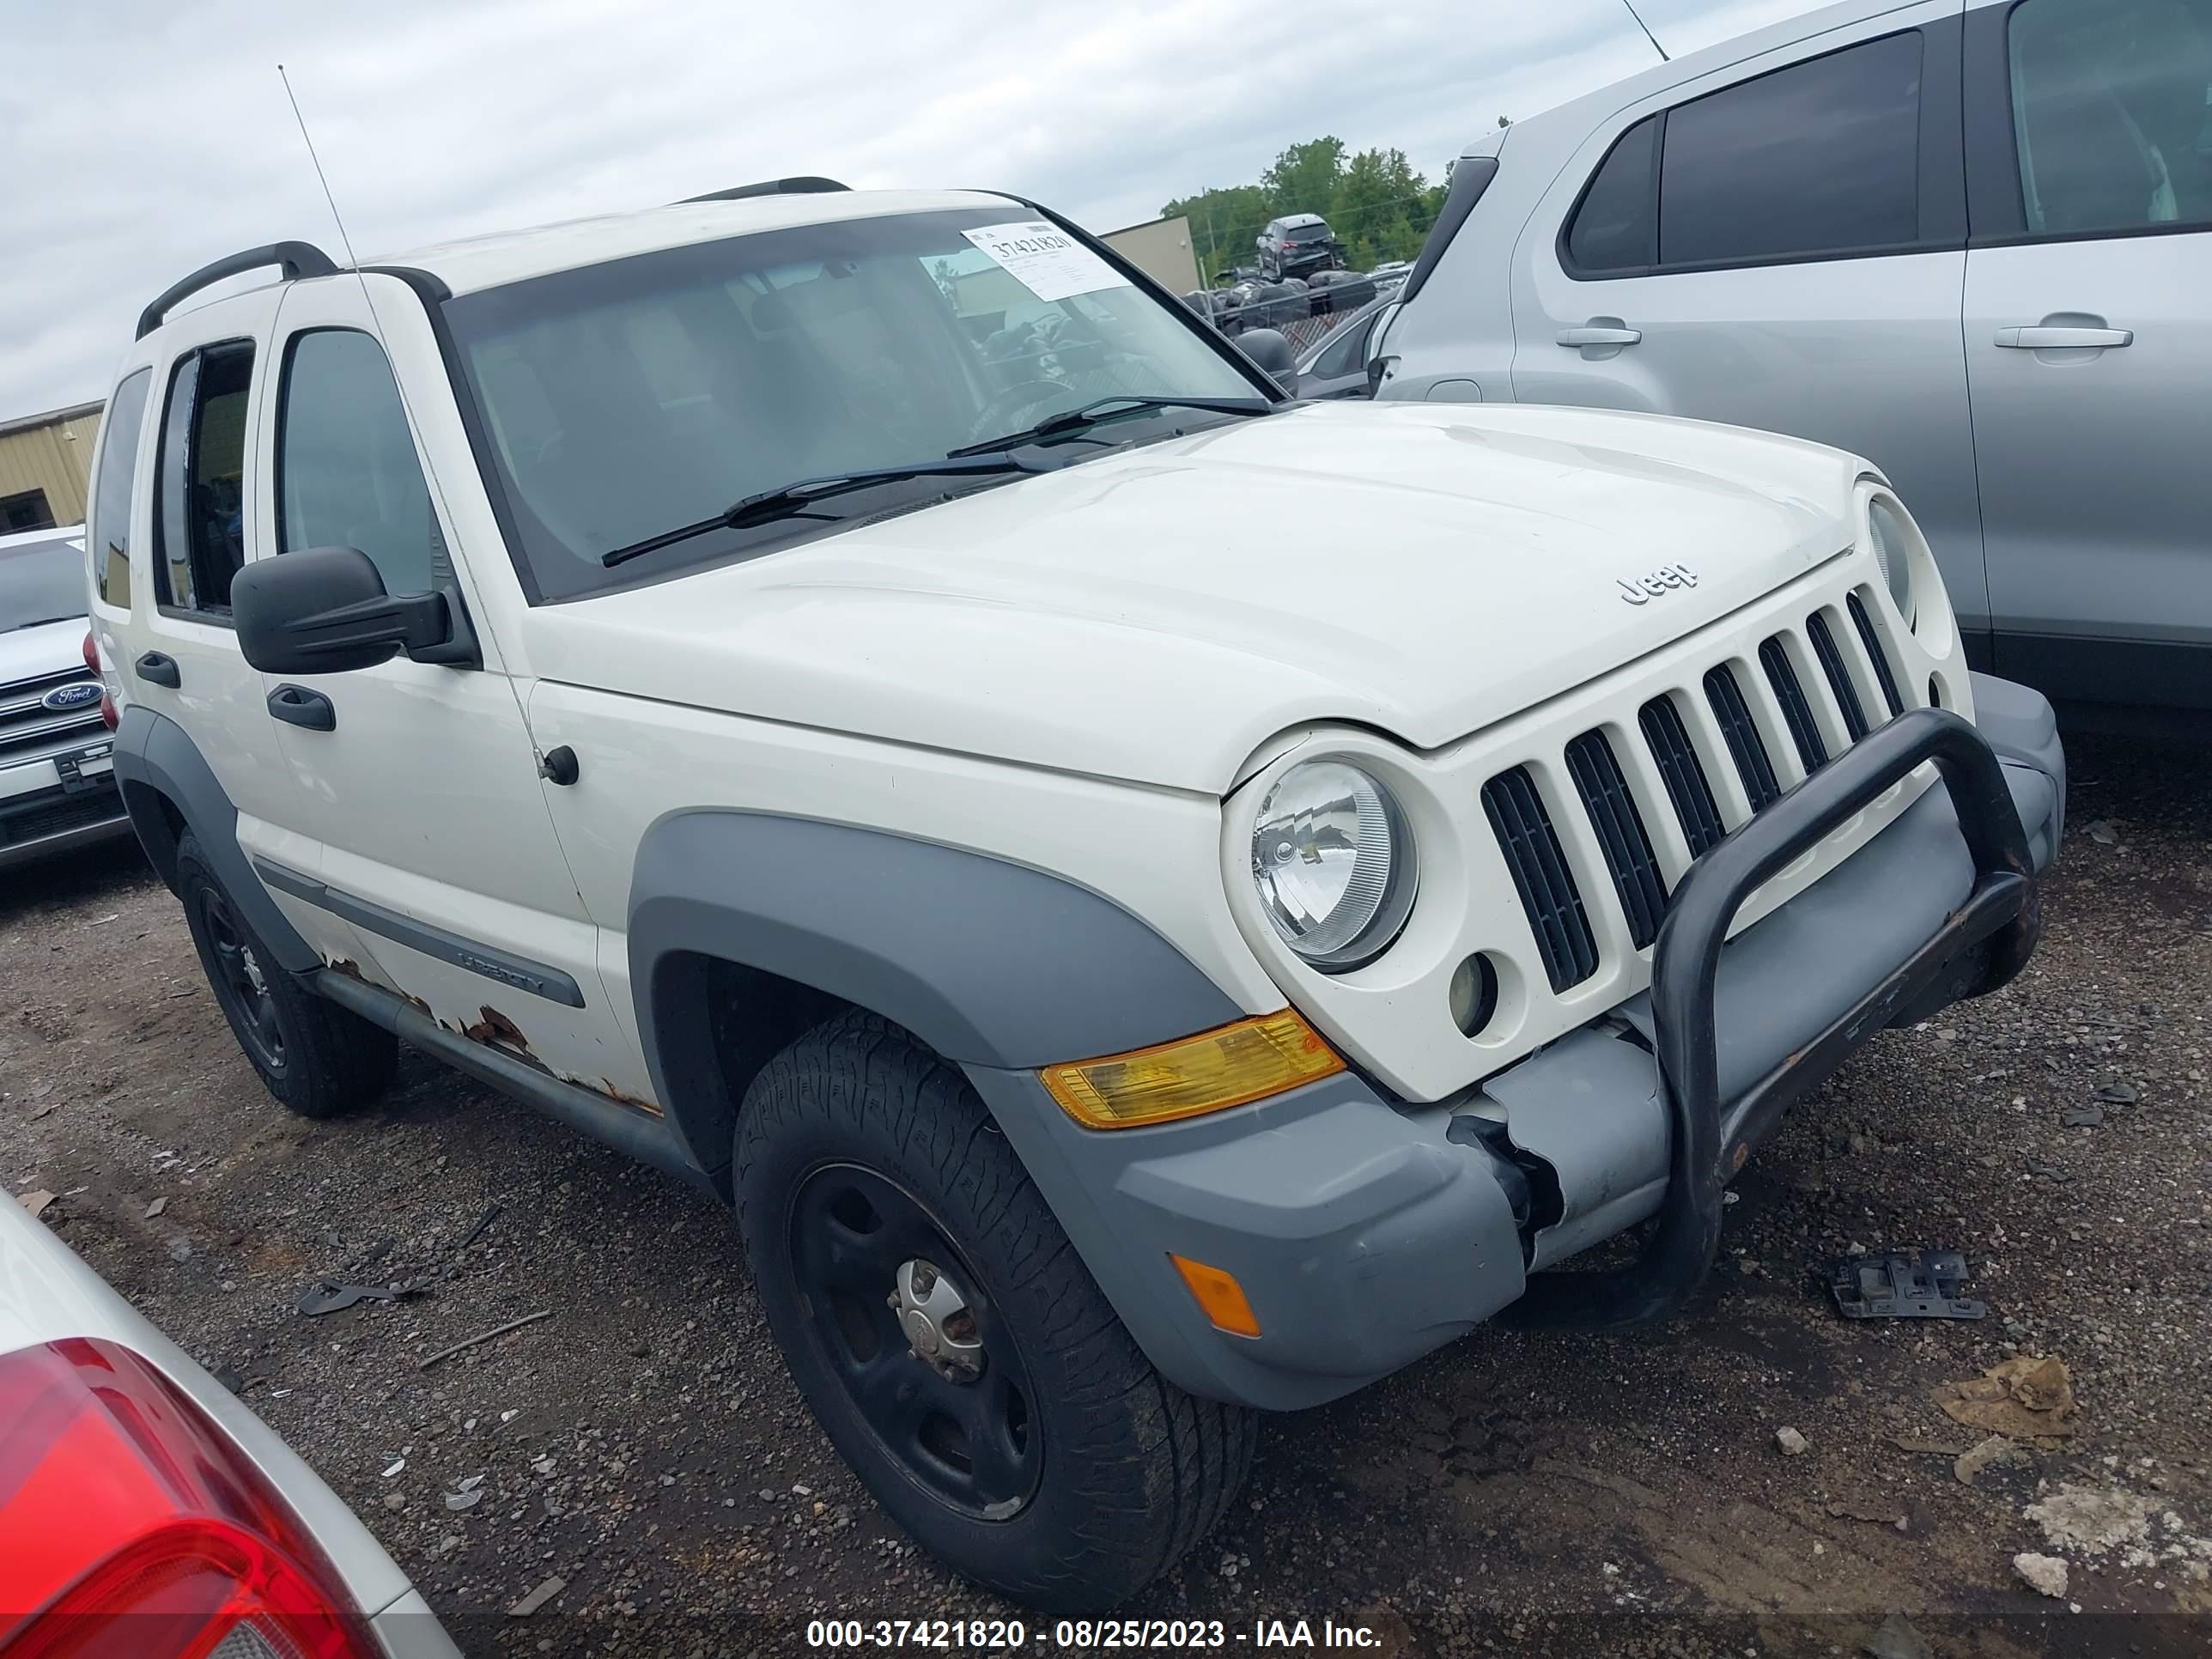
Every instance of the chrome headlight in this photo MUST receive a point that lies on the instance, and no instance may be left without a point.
(1893, 552)
(1332, 857)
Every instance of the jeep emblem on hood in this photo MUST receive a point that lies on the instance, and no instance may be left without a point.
(1644, 589)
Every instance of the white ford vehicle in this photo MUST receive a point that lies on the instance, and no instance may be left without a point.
(771, 681)
(57, 775)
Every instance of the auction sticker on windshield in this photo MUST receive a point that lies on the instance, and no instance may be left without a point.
(1045, 259)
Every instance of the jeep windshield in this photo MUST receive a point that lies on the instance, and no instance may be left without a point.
(623, 400)
(40, 582)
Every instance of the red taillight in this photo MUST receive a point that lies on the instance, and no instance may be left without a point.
(109, 715)
(130, 1524)
(91, 652)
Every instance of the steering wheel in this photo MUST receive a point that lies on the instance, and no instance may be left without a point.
(997, 413)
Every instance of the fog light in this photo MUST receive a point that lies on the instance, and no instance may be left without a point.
(1474, 994)
(1220, 1298)
(1209, 1072)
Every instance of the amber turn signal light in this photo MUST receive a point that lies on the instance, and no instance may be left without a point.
(1226, 1066)
(1220, 1298)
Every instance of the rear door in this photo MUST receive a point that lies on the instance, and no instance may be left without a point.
(2088, 326)
(1778, 245)
(179, 654)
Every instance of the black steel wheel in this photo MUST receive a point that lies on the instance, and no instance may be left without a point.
(906, 1328)
(949, 1339)
(317, 1058)
(241, 984)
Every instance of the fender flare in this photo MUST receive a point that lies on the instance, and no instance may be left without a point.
(990, 962)
(156, 759)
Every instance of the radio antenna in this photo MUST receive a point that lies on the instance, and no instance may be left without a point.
(440, 561)
(1630, 7)
(338, 218)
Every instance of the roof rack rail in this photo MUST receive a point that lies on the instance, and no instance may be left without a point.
(294, 259)
(805, 185)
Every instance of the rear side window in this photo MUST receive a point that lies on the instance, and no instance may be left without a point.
(347, 474)
(1617, 226)
(199, 525)
(2112, 114)
(1812, 161)
(108, 535)
(1820, 158)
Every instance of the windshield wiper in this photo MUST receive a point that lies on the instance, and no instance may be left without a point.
(1107, 408)
(793, 500)
(37, 621)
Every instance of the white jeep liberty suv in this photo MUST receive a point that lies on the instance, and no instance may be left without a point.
(813, 687)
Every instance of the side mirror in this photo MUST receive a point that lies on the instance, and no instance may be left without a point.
(1267, 348)
(324, 610)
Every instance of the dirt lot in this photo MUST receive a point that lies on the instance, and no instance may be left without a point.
(1510, 1494)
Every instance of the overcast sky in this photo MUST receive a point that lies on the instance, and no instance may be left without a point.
(141, 138)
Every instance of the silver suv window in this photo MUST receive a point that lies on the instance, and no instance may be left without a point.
(2113, 113)
(1817, 160)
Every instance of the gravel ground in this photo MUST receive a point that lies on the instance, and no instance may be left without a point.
(1512, 1493)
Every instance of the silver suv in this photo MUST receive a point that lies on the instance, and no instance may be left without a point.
(1972, 243)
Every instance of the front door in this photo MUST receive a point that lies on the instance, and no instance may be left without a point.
(2088, 322)
(1778, 245)
(438, 873)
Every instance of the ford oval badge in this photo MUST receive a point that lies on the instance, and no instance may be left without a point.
(75, 695)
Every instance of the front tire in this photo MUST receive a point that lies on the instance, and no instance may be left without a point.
(950, 1341)
(317, 1058)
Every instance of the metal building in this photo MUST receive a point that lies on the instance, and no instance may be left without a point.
(45, 463)
(1161, 249)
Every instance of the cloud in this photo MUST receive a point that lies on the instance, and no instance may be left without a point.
(145, 137)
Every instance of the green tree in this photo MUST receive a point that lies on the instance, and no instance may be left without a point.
(1379, 207)
(1304, 177)
(1223, 224)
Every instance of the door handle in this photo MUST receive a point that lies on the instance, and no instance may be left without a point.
(158, 668)
(296, 705)
(2043, 338)
(1597, 336)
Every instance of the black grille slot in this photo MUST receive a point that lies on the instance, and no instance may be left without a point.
(1686, 779)
(1540, 871)
(1619, 829)
(52, 818)
(1797, 712)
(1839, 678)
(1872, 640)
(1744, 743)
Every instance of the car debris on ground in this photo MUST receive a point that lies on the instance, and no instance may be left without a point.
(486, 1336)
(2045, 1574)
(2028, 1397)
(330, 1296)
(1897, 1284)
(538, 1598)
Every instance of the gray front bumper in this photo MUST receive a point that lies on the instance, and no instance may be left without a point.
(1366, 1233)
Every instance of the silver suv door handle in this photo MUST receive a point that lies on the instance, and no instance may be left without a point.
(1590, 337)
(2063, 339)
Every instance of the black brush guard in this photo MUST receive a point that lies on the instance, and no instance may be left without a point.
(1981, 945)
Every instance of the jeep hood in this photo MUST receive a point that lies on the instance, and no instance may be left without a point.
(1160, 613)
